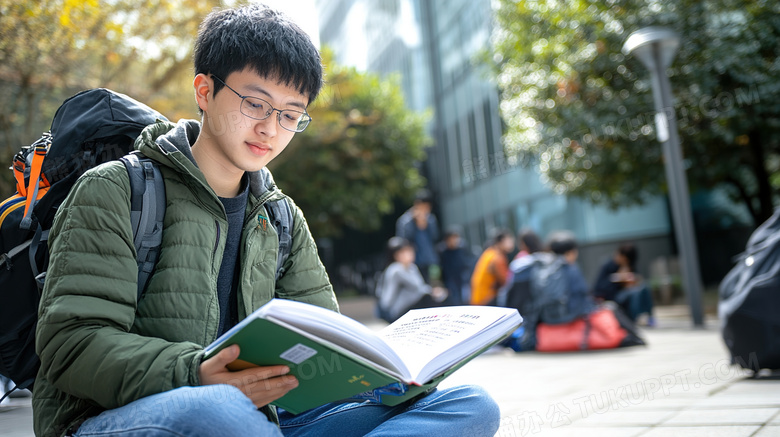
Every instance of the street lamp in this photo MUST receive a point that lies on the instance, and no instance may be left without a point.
(656, 47)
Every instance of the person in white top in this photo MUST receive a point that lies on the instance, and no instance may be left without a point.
(401, 286)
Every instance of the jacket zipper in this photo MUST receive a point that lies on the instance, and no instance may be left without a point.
(260, 203)
(216, 243)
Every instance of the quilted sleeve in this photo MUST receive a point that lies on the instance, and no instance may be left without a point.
(89, 301)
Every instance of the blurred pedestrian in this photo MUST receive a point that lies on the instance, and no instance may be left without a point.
(492, 269)
(529, 243)
(455, 266)
(618, 281)
(401, 286)
(580, 303)
(419, 226)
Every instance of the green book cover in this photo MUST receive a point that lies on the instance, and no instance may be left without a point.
(335, 358)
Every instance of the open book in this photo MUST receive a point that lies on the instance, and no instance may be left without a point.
(337, 358)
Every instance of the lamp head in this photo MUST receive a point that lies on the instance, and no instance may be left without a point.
(649, 42)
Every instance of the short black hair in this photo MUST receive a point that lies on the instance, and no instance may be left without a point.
(262, 39)
(423, 196)
(561, 242)
(532, 241)
(454, 230)
(394, 245)
(629, 251)
(498, 235)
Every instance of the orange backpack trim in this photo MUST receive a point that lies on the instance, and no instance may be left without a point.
(17, 201)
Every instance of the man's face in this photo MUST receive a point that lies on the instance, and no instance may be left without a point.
(507, 244)
(240, 143)
(423, 208)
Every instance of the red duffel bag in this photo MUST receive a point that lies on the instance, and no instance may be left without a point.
(599, 330)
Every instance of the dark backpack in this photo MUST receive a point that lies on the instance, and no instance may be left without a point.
(750, 301)
(90, 128)
(539, 290)
(550, 289)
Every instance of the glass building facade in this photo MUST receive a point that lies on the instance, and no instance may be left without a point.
(433, 45)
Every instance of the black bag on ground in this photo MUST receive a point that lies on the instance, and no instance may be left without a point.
(90, 128)
(749, 306)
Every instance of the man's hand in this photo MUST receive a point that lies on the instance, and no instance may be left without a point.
(262, 385)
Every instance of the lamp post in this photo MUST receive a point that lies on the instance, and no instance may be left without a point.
(656, 47)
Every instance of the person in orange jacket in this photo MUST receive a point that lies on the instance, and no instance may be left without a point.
(492, 269)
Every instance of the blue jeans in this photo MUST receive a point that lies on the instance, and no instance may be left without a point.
(224, 410)
(635, 301)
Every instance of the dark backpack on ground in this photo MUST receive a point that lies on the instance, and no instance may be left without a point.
(90, 128)
(750, 301)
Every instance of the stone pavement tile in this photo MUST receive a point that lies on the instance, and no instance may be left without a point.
(775, 421)
(755, 386)
(768, 431)
(701, 431)
(726, 399)
(606, 431)
(675, 403)
(16, 421)
(733, 416)
(626, 418)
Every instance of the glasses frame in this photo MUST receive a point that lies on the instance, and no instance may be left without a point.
(278, 116)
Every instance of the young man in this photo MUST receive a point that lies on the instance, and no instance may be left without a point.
(111, 364)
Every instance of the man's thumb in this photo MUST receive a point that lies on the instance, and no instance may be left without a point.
(227, 355)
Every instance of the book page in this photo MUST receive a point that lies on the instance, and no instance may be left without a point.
(421, 336)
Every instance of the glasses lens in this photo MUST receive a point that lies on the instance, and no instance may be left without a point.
(294, 120)
(256, 108)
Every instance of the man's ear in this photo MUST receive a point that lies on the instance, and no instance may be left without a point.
(203, 86)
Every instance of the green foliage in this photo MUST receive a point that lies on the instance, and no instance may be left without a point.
(582, 112)
(358, 155)
(51, 49)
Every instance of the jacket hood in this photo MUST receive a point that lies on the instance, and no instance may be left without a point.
(171, 145)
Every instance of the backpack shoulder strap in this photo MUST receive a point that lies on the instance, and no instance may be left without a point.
(147, 210)
(280, 215)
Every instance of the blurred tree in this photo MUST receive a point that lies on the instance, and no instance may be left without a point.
(358, 155)
(582, 112)
(51, 49)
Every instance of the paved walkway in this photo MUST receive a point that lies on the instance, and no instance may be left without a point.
(680, 385)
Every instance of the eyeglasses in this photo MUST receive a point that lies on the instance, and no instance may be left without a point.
(259, 109)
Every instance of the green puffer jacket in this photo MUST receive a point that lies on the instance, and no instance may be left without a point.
(99, 347)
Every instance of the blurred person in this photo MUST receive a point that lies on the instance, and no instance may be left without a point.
(564, 244)
(455, 266)
(529, 243)
(619, 282)
(401, 286)
(492, 269)
(419, 225)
